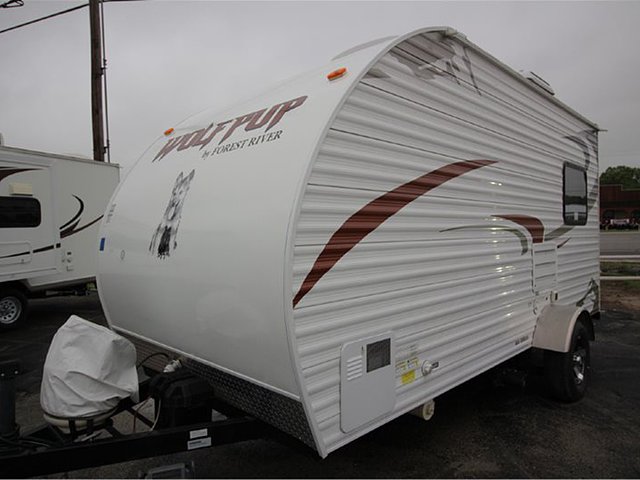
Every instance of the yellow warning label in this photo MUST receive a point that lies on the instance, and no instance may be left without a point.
(408, 377)
(404, 366)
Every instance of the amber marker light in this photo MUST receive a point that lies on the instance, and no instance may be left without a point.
(168, 131)
(337, 73)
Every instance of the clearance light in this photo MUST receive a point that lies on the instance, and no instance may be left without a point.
(168, 131)
(337, 73)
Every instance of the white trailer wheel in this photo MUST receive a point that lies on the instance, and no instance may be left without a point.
(13, 307)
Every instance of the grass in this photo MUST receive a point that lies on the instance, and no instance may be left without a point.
(620, 269)
(632, 285)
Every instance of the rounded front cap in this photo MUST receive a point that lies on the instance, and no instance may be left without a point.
(196, 238)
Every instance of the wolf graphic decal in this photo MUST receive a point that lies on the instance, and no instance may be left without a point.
(164, 237)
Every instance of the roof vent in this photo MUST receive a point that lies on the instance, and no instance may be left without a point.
(1, 139)
(539, 81)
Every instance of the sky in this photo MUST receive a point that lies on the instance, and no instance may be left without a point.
(167, 60)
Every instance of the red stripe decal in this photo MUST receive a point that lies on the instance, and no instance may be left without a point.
(533, 225)
(373, 214)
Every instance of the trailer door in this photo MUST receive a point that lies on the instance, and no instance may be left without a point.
(29, 240)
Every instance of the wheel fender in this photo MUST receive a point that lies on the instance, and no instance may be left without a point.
(554, 327)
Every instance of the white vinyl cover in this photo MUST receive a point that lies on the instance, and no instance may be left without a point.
(88, 370)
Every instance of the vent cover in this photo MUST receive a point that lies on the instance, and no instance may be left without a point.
(366, 393)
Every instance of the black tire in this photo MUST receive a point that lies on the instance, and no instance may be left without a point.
(13, 308)
(569, 374)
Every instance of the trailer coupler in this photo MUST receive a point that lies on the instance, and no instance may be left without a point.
(183, 405)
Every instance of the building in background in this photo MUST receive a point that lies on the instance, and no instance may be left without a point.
(617, 202)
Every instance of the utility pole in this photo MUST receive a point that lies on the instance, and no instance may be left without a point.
(97, 115)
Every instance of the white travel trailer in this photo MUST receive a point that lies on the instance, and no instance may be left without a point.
(357, 241)
(50, 208)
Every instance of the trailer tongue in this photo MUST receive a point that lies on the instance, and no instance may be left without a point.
(89, 378)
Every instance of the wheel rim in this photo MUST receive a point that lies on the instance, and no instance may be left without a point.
(579, 364)
(10, 310)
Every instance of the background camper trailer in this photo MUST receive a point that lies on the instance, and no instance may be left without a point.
(340, 251)
(50, 206)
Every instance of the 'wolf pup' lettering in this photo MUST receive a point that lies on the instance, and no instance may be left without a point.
(164, 238)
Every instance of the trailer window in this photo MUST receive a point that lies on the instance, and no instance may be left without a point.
(19, 212)
(575, 195)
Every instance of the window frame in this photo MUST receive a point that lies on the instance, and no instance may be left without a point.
(17, 199)
(582, 170)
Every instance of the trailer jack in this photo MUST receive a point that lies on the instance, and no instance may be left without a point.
(9, 430)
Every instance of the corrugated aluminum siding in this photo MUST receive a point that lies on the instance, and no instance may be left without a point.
(446, 274)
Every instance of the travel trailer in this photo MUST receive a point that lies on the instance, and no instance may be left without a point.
(50, 208)
(350, 245)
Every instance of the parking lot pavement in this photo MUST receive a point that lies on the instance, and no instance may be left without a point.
(479, 430)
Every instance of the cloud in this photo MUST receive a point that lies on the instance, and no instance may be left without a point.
(169, 60)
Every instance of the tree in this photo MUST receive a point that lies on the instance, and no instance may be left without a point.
(628, 177)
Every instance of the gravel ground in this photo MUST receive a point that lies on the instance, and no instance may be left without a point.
(479, 430)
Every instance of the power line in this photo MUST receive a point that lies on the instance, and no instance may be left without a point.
(20, 3)
(44, 18)
(98, 68)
